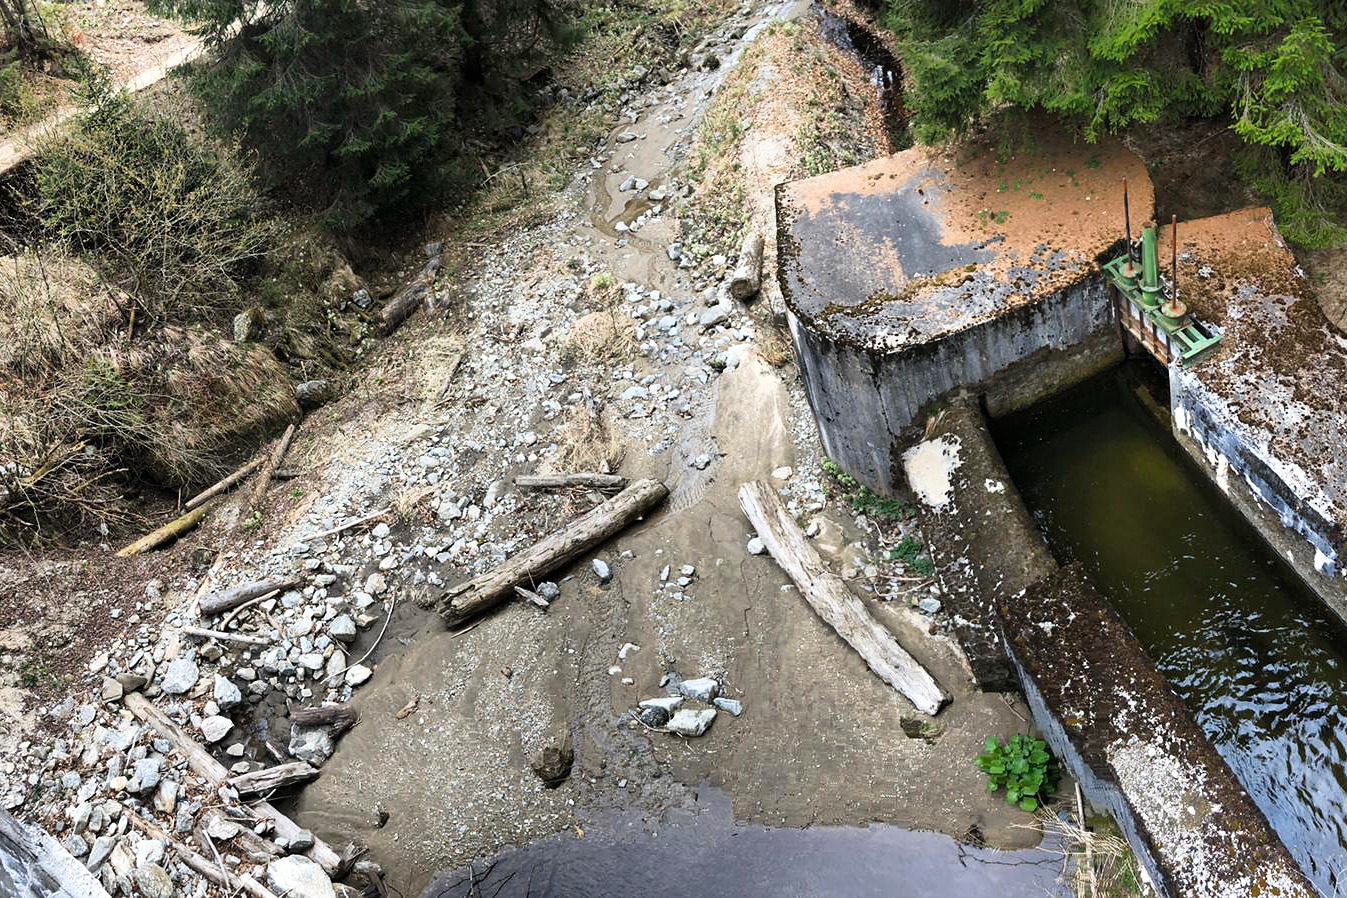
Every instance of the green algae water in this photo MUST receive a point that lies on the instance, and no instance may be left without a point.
(1260, 663)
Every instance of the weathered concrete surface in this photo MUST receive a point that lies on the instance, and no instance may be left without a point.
(1264, 413)
(1136, 749)
(985, 544)
(916, 274)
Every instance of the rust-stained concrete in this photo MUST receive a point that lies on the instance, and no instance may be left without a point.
(920, 273)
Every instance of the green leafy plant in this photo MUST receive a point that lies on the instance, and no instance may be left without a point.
(910, 552)
(1023, 766)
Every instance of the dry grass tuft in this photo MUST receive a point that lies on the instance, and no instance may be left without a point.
(1104, 864)
(775, 348)
(587, 442)
(53, 309)
(600, 337)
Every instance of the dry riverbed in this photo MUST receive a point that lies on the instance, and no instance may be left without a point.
(598, 337)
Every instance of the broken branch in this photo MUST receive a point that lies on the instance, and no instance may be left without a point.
(170, 531)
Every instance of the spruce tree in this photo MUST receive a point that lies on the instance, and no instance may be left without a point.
(356, 108)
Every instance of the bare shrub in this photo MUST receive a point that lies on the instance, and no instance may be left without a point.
(53, 309)
(171, 216)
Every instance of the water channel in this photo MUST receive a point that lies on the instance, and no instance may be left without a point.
(1260, 663)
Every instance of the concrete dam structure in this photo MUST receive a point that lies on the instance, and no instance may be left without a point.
(928, 291)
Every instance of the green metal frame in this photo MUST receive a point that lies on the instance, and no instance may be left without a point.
(1149, 296)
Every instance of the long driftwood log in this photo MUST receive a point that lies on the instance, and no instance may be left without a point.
(564, 481)
(479, 594)
(828, 595)
(747, 278)
(225, 599)
(200, 760)
(268, 779)
(226, 483)
(170, 531)
(409, 299)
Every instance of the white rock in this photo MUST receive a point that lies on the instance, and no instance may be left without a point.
(216, 728)
(357, 674)
(180, 676)
(226, 694)
(755, 546)
(295, 876)
(687, 722)
(703, 689)
(601, 570)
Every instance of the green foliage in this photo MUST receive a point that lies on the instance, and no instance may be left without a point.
(358, 110)
(166, 213)
(17, 100)
(910, 552)
(1023, 766)
(1275, 67)
(834, 470)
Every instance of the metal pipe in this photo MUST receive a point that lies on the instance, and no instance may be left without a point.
(1174, 247)
(1127, 227)
(1150, 259)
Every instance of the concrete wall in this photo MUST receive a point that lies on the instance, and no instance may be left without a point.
(1270, 495)
(864, 400)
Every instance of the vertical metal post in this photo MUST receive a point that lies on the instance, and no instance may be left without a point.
(1150, 264)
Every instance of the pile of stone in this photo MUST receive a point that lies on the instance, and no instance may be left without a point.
(689, 707)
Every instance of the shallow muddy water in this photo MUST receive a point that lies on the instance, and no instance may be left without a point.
(1258, 661)
(705, 853)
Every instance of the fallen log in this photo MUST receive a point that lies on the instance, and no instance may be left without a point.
(200, 760)
(207, 868)
(170, 531)
(747, 278)
(225, 484)
(340, 717)
(564, 481)
(409, 299)
(828, 595)
(273, 462)
(32, 861)
(219, 602)
(269, 779)
(481, 593)
(222, 636)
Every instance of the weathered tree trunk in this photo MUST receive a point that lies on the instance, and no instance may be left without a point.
(340, 717)
(226, 483)
(170, 531)
(474, 596)
(218, 602)
(33, 864)
(409, 299)
(200, 760)
(261, 781)
(747, 279)
(563, 481)
(273, 462)
(828, 595)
